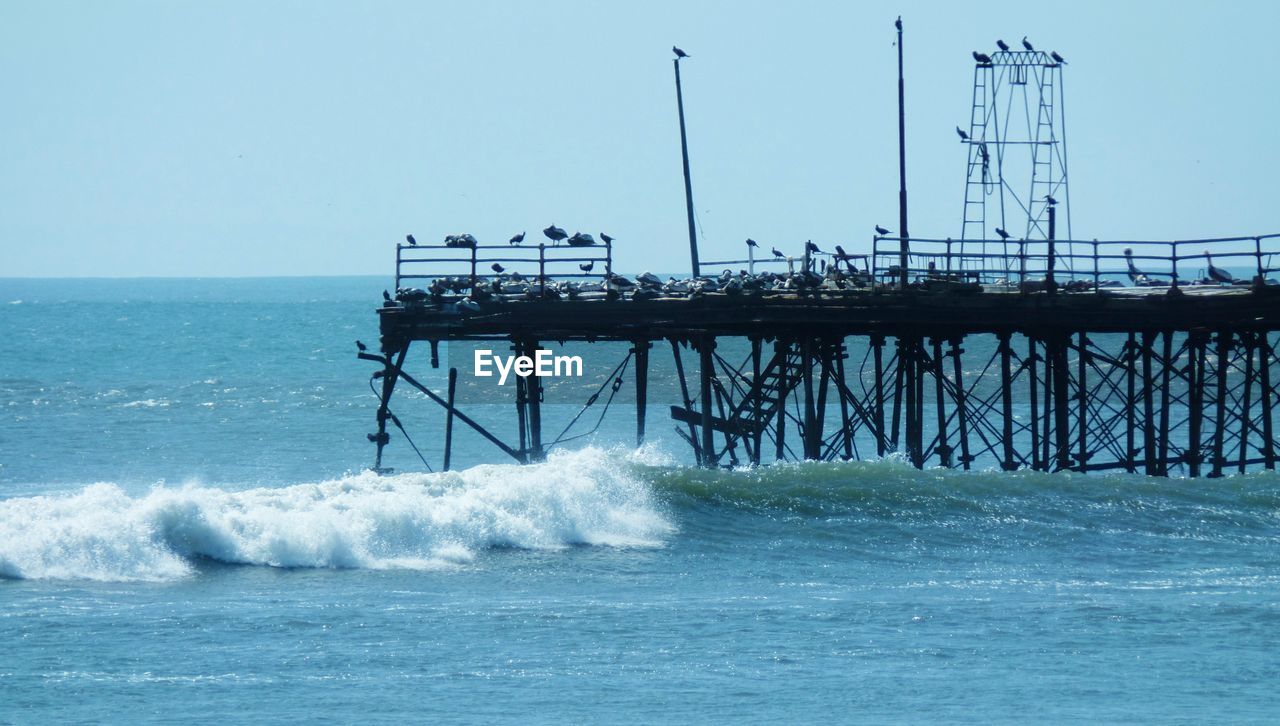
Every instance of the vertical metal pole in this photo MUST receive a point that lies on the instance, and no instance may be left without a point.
(1148, 405)
(825, 351)
(390, 375)
(1082, 403)
(1266, 394)
(1051, 285)
(1006, 402)
(1195, 400)
(688, 185)
(1046, 425)
(939, 395)
(758, 434)
(962, 419)
(1034, 420)
(1246, 400)
(522, 396)
(1220, 415)
(918, 443)
(782, 351)
(705, 347)
(641, 348)
(899, 374)
(1166, 351)
(907, 362)
(1131, 403)
(810, 416)
(1061, 405)
(903, 235)
(448, 419)
(877, 352)
(533, 388)
(847, 430)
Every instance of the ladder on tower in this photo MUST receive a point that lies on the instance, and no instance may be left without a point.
(1042, 156)
(978, 174)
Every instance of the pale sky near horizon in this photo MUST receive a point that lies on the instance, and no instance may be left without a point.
(307, 138)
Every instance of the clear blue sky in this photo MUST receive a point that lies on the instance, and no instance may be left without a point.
(270, 138)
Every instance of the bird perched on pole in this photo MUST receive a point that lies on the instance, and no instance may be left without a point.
(1057, 58)
(554, 233)
(881, 231)
(776, 253)
(587, 266)
(963, 135)
(361, 346)
(812, 248)
(1003, 234)
(982, 58)
(412, 242)
(1002, 45)
(1050, 200)
(679, 53)
(517, 239)
(752, 243)
(1026, 44)
(386, 296)
(607, 239)
(497, 268)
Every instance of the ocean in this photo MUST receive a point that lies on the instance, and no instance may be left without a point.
(188, 532)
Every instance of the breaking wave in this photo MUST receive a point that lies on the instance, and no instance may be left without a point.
(418, 521)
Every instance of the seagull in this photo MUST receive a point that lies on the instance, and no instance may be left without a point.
(752, 243)
(881, 230)
(1003, 234)
(1057, 58)
(982, 58)
(1050, 200)
(963, 135)
(497, 268)
(1027, 45)
(1215, 274)
(361, 346)
(517, 239)
(679, 53)
(386, 296)
(1002, 45)
(554, 233)
(607, 239)
(412, 242)
(776, 253)
(587, 266)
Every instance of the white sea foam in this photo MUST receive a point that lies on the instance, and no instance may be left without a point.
(415, 521)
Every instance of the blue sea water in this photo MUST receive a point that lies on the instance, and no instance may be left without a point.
(187, 533)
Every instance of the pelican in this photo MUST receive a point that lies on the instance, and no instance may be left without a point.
(982, 58)
(412, 242)
(881, 231)
(1216, 274)
(497, 268)
(963, 135)
(679, 53)
(1002, 45)
(517, 239)
(1026, 44)
(752, 243)
(581, 239)
(1135, 275)
(554, 233)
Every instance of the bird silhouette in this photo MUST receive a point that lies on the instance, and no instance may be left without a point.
(776, 253)
(679, 53)
(963, 135)
(1135, 275)
(810, 247)
(517, 239)
(1002, 45)
(752, 243)
(1216, 274)
(1026, 44)
(554, 233)
(361, 346)
(881, 230)
(1057, 58)
(982, 58)
(898, 23)
(386, 296)
(412, 242)
(1050, 200)
(497, 268)
(1003, 234)
(587, 266)
(607, 239)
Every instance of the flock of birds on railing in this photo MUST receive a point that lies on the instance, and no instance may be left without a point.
(809, 274)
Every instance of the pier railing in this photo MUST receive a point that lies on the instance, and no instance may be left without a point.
(539, 264)
(1022, 263)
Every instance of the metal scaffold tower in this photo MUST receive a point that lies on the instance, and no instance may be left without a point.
(1017, 142)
